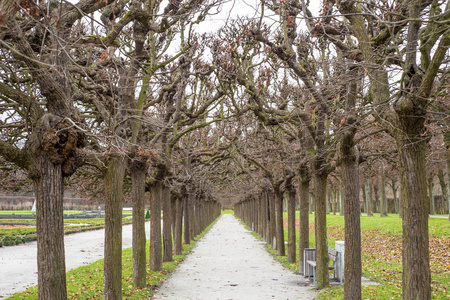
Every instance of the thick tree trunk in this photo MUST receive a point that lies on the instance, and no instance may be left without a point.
(352, 260)
(341, 201)
(155, 227)
(320, 185)
(167, 226)
(291, 223)
(280, 228)
(112, 285)
(49, 188)
(138, 175)
(416, 262)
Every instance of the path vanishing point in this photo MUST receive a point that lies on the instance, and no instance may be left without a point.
(230, 263)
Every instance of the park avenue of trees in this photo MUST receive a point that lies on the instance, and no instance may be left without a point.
(128, 100)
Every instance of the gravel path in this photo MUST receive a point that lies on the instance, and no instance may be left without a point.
(18, 264)
(229, 263)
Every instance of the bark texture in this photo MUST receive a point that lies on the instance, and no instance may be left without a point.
(167, 225)
(178, 226)
(112, 285)
(155, 227)
(291, 222)
(352, 261)
(320, 217)
(303, 242)
(138, 174)
(416, 262)
(49, 189)
(281, 249)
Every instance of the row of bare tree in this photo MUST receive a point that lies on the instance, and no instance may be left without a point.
(120, 98)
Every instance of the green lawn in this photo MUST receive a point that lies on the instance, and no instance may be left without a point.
(18, 235)
(29, 212)
(382, 255)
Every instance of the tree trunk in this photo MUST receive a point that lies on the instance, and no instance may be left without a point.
(394, 192)
(178, 228)
(448, 172)
(334, 201)
(112, 285)
(352, 260)
(383, 198)
(49, 188)
(303, 242)
(187, 230)
(272, 219)
(167, 226)
(138, 175)
(369, 197)
(430, 194)
(291, 223)
(376, 202)
(155, 227)
(279, 228)
(192, 215)
(443, 185)
(328, 202)
(363, 194)
(416, 259)
(341, 201)
(320, 217)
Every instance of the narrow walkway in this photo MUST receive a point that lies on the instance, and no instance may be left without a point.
(229, 263)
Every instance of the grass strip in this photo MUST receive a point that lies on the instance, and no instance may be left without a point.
(19, 235)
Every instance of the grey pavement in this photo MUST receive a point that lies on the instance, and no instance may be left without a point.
(229, 263)
(18, 264)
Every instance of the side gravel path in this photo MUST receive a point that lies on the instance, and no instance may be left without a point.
(229, 263)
